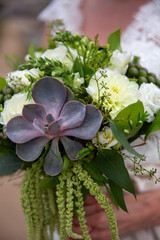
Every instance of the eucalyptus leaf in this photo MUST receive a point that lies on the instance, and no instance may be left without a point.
(114, 40)
(118, 194)
(31, 50)
(155, 125)
(129, 118)
(119, 135)
(9, 164)
(112, 198)
(111, 163)
(2, 83)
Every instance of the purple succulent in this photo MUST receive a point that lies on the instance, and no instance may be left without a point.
(54, 116)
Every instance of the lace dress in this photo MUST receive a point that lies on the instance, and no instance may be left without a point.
(142, 38)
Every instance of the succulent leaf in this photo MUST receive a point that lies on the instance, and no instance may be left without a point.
(32, 111)
(31, 150)
(51, 93)
(71, 147)
(72, 114)
(89, 127)
(21, 131)
(53, 163)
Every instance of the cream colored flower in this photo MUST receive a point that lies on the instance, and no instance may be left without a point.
(105, 138)
(18, 80)
(120, 61)
(78, 81)
(61, 54)
(13, 107)
(115, 89)
(150, 97)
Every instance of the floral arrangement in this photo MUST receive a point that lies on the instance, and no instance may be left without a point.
(67, 113)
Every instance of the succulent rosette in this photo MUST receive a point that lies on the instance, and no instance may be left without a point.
(53, 117)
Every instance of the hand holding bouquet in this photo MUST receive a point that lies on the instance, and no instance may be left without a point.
(72, 109)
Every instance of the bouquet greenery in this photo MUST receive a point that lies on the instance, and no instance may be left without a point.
(67, 113)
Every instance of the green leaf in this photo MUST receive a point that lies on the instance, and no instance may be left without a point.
(77, 67)
(155, 125)
(129, 118)
(83, 153)
(31, 50)
(111, 196)
(9, 164)
(48, 182)
(114, 40)
(119, 135)
(2, 83)
(95, 173)
(118, 194)
(111, 163)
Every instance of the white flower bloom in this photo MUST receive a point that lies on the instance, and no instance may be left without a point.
(37, 55)
(60, 53)
(105, 138)
(13, 107)
(116, 89)
(150, 97)
(18, 80)
(78, 81)
(120, 61)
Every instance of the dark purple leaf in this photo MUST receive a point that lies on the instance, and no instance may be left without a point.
(90, 125)
(71, 147)
(31, 150)
(39, 126)
(51, 93)
(54, 128)
(53, 163)
(21, 131)
(34, 111)
(50, 118)
(72, 115)
(70, 96)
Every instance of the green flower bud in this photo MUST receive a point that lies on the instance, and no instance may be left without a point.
(133, 72)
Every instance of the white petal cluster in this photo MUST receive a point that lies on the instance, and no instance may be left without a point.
(13, 107)
(150, 97)
(61, 54)
(37, 55)
(105, 138)
(78, 81)
(120, 61)
(116, 89)
(18, 80)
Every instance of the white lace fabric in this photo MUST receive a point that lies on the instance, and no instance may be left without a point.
(67, 10)
(142, 37)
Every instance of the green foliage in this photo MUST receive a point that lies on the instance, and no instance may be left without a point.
(95, 173)
(49, 182)
(119, 135)
(155, 125)
(117, 192)
(114, 40)
(6, 146)
(13, 61)
(31, 50)
(111, 163)
(130, 119)
(9, 164)
(2, 83)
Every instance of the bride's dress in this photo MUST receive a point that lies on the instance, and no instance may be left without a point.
(142, 38)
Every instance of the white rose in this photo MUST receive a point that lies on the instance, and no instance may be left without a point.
(78, 81)
(13, 107)
(105, 138)
(150, 97)
(120, 61)
(37, 55)
(18, 80)
(61, 54)
(115, 89)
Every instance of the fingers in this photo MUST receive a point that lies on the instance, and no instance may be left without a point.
(90, 200)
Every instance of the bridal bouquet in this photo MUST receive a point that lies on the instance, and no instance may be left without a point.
(67, 113)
